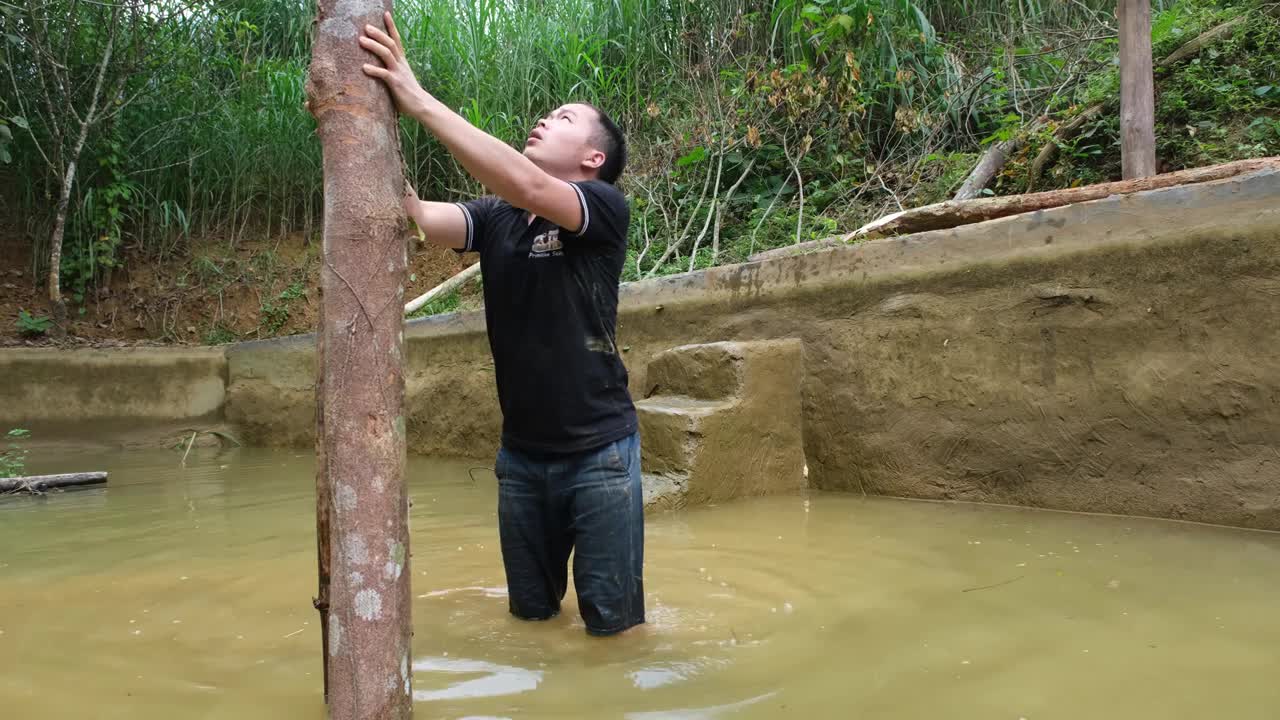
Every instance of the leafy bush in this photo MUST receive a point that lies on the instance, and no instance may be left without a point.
(31, 325)
(13, 461)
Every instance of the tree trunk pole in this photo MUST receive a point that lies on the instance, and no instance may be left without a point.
(1137, 91)
(56, 303)
(362, 504)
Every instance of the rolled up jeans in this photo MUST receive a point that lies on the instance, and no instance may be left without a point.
(589, 504)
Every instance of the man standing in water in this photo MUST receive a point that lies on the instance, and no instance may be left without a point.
(552, 241)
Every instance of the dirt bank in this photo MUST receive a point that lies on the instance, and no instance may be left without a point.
(218, 293)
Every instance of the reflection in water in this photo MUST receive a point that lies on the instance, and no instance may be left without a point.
(498, 679)
(177, 592)
(489, 592)
(660, 674)
(706, 713)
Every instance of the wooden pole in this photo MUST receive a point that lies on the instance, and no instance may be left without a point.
(361, 505)
(1137, 91)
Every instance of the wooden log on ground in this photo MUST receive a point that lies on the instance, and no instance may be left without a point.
(800, 248)
(41, 483)
(951, 213)
(1065, 132)
(442, 289)
(992, 160)
(1203, 40)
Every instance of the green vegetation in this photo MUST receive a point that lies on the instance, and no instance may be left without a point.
(219, 335)
(439, 306)
(13, 461)
(1223, 104)
(753, 123)
(275, 312)
(31, 325)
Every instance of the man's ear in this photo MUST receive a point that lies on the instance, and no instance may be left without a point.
(593, 160)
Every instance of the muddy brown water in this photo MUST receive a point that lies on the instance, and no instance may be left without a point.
(185, 593)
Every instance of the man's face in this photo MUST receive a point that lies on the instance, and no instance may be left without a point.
(562, 143)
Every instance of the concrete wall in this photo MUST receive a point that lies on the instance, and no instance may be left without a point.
(110, 393)
(1114, 356)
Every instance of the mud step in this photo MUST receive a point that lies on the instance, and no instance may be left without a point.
(710, 371)
(671, 428)
(722, 420)
(664, 491)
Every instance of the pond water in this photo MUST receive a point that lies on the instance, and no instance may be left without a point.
(186, 592)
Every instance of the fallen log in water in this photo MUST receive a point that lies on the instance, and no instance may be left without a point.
(40, 483)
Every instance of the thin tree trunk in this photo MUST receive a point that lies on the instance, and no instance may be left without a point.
(362, 504)
(1137, 91)
(715, 201)
(675, 244)
(715, 233)
(795, 167)
(57, 305)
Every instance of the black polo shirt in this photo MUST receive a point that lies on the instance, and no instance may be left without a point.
(551, 305)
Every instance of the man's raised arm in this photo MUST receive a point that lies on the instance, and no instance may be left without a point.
(499, 167)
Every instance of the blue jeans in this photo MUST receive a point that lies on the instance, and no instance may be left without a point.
(589, 504)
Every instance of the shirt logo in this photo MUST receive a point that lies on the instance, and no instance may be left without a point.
(547, 244)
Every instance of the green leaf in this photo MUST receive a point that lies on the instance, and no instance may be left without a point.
(20, 122)
(843, 21)
(697, 155)
(1260, 91)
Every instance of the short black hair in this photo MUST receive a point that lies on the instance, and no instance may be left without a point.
(613, 144)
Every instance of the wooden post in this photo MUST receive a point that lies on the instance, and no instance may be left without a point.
(1137, 91)
(361, 505)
